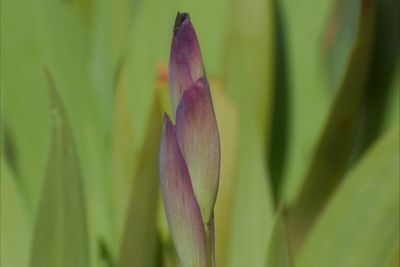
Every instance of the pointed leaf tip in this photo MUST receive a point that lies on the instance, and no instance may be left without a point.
(181, 207)
(60, 232)
(198, 138)
(186, 64)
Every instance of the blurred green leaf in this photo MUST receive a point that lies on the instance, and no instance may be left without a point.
(360, 226)
(105, 56)
(228, 127)
(149, 44)
(123, 159)
(66, 31)
(109, 43)
(22, 90)
(278, 248)
(382, 96)
(345, 25)
(60, 235)
(139, 245)
(334, 148)
(248, 79)
(65, 48)
(249, 61)
(392, 115)
(279, 119)
(395, 261)
(16, 224)
(308, 94)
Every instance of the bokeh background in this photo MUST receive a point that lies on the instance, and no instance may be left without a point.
(303, 92)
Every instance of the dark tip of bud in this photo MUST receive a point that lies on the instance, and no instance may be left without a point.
(180, 19)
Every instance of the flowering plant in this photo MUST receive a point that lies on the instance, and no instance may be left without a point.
(190, 151)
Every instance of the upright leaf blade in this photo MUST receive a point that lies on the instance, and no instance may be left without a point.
(23, 89)
(60, 235)
(308, 94)
(139, 238)
(248, 79)
(227, 119)
(123, 158)
(334, 148)
(148, 45)
(382, 102)
(360, 226)
(66, 33)
(16, 224)
(278, 254)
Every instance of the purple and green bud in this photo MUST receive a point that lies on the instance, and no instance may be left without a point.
(181, 207)
(190, 151)
(185, 64)
(197, 134)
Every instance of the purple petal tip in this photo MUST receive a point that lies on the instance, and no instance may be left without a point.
(167, 120)
(181, 18)
(186, 64)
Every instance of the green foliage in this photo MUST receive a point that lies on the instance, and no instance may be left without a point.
(61, 218)
(361, 217)
(248, 67)
(306, 96)
(15, 227)
(139, 243)
(278, 250)
(349, 53)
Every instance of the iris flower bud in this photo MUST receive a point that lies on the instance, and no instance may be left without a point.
(190, 151)
(181, 207)
(186, 64)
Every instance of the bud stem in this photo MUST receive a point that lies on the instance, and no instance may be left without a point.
(209, 245)
(210, 242)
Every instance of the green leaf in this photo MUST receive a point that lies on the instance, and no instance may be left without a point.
(60, 235)
(392, 115)
(66, 32)
(249, 61)
(23, 89)
(248, 67)
(228, 127)
(308, 94)
(124, 158)
(360, 226)
(278, 254)
(382, 106)
(149, 41)
(279, 119)
(139, 240)
(16, 224)
(65, 50)
(395, 261)
(112, 22)
(334, 149)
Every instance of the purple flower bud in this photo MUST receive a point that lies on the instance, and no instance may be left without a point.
(181, 207)
(186, 64)
(198, 138)
(190, 152)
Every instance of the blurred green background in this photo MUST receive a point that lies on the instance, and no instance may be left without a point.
(307, 101)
